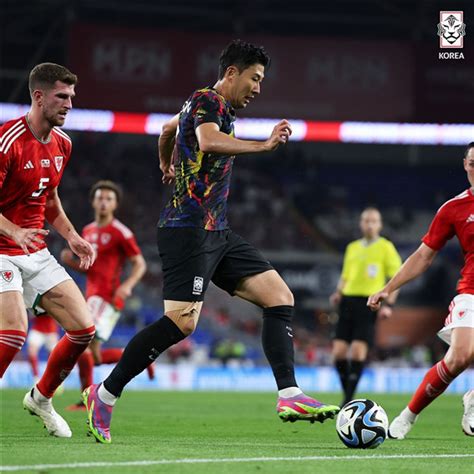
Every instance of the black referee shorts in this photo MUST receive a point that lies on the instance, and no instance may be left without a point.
(356, 320)
(192, 257)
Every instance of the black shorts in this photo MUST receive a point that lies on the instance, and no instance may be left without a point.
(356, 320)
(192, 257)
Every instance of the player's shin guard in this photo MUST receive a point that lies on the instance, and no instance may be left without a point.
(85, 364)
(63, 358)
(142, 349)
(11, 342)
(277, 342)
(433, 385)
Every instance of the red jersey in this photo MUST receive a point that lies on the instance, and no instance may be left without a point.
(456, 217)
(45, 324)
(114, 243)
(29, 170)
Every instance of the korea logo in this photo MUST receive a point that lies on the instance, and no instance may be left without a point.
(451, 29)
(58, 162)
(198, 285)
(7, 275)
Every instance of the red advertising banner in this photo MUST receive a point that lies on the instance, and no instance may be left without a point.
(322, 79)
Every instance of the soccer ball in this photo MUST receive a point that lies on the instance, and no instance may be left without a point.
(362, 424)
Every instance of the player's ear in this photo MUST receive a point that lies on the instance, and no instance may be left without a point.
(231, 72)
(37, 96)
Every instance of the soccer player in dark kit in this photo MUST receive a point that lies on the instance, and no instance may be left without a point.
(197, 149)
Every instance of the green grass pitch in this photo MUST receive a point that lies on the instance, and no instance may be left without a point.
(223, 432)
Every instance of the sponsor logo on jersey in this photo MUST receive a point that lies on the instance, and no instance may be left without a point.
(28, 166)
(7, 275)
(470, 218)
(58, 162)
(105, 239)
(45, 163)
(198, 285)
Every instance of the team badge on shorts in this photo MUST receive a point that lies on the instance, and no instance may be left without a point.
(7, 275)
(198, 285)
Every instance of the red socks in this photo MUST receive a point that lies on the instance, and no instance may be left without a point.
(11, 342)
(86, 367)
(33, 360)
(434, 384)
(63, 358)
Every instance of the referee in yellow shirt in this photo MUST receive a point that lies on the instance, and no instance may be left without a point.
(368, 263)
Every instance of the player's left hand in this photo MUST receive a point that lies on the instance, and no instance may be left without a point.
(376, 300)
(384, 312)
(169, 175)
(123, 292)
(83, 250)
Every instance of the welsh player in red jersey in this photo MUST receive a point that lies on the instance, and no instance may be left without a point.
(33, 155)
(454, 218)
(115, 244)
(43, 332)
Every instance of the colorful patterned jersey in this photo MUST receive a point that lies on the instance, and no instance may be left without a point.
(202, 179)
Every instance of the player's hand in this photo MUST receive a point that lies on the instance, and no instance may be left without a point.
(66, 256)
(335, 299)
(83, 250)
(385, 312)
(28, 238)
(169, 175)
(280, 135)
(123, 292)
(376, 300)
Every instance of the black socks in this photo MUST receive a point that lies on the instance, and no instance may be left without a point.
(342, 367)
(277, 342)
(142, 349)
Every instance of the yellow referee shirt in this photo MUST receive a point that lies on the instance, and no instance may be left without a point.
(367, 266)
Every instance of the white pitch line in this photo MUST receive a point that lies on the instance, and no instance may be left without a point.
(78, 465)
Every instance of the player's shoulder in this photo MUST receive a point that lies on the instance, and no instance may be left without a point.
(456, 201)
(121, 229)
(207, 93)
(354, 244)
(10, 132)
(386, 243)
(89, 227)
(63, 139)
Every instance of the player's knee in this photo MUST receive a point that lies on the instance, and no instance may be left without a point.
(458, 361)
(185, 316)
(283, 298)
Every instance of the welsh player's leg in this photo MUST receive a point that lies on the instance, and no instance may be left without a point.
(459, 356)
(34, 342)
(59, 296)
(270, 292)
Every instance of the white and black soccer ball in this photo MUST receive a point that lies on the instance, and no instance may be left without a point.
(362, 424)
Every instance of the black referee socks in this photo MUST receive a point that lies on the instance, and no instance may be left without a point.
(142, 349)
(277, 341)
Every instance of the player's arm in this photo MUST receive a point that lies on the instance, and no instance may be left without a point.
(415, 265)
(166, 144)
(56, 216)
(212, 140)
(137, 271)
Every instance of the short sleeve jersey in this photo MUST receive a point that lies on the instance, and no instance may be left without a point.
(456, 218)
(367, 266)
(202, 179)
(29, 170)
(114, 244)
(45, 324)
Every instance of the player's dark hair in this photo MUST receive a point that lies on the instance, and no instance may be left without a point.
(109, 185)
(469, 146)
(242, 55)
(44, 75)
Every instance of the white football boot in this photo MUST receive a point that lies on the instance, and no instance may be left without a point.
(402, 424)
(53, 422)
(467, 421)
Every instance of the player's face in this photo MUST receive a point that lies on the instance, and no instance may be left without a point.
(104, 202)
(55, 103)
(370, 224)
(246, 85)
(469, 166)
